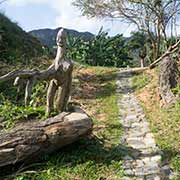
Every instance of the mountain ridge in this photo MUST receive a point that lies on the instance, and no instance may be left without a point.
(47, 36)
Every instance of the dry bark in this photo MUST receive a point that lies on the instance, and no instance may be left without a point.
(37, 138)
(168, 79)
(142, 61)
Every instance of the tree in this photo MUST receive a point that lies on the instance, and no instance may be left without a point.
(118, 51)
(149, 16)
(101, 50)
(138, 45)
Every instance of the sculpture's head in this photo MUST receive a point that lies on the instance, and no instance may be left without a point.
(61, 38)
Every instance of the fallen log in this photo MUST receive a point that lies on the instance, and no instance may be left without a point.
(42, 137)
(134, 70)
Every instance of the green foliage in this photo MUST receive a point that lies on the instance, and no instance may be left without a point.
(176, 163)
(11, 112)
(176, 90)
(116, 51)
(100, 51)
(17, 46)
(139, 46)
(38, 96)
(140, 81)
(12, 108)
(8, 92)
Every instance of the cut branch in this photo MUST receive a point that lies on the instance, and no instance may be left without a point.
(170, 50)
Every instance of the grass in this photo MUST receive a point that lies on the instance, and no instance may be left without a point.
(98, 157)
(165, 122)
(140, 80)
(12, 107)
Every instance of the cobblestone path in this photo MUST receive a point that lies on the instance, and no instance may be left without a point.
(143, 159)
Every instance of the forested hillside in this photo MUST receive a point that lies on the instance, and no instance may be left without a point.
(16, 46)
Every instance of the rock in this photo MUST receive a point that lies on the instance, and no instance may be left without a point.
(129, 172)
(2, 119)
(135, 154)
(127, 158)
(166, 170)
(173, 175)
(76, 81)
(156, 158)
(153, 177)
(131, 117)
(127, 164)
(139, 163)
(139, 171)
(126, 178)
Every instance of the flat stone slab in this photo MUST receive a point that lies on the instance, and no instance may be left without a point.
(143, 161)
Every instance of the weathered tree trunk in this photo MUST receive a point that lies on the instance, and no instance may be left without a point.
(155, 50)
(36, 138)
(142, 61)
(168, 79)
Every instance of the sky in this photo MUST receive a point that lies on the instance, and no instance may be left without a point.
(37, 14)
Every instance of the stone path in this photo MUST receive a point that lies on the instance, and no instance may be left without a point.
(143, 158)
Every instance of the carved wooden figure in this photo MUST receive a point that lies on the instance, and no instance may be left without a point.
(61, 83)
(59, 74)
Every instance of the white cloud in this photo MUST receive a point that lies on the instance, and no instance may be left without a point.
(24, 2)
(70, 17)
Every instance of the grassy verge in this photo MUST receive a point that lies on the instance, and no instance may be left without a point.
(140, 80)
(165, 122)
(89, 159)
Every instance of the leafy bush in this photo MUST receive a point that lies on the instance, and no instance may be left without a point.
(11, 112)
(100, 51)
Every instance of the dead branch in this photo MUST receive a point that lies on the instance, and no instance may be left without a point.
(170, 50)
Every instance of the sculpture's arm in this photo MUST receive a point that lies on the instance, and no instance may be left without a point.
(19, 73)
(27, 74)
